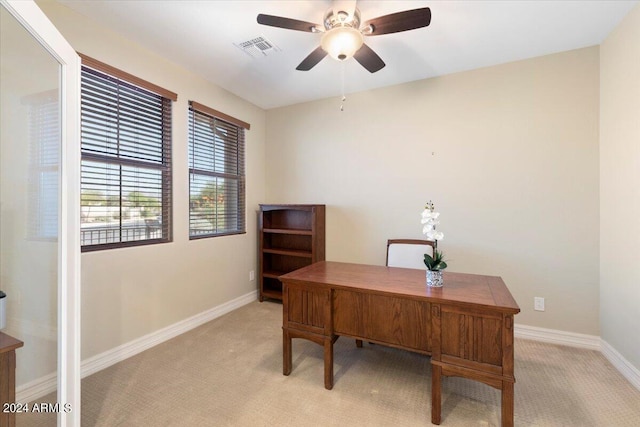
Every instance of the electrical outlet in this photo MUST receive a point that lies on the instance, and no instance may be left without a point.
(538, 303)
(252, 275)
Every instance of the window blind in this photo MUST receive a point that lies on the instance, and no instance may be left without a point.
(44, 161)
(126, 163)
(216, 175)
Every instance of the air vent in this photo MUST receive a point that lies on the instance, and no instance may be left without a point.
(257, 47)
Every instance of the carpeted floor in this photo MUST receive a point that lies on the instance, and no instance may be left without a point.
(228, 372)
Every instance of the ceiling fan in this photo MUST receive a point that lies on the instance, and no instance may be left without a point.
(343, 36)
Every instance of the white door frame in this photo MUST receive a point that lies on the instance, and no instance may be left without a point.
(39, 26)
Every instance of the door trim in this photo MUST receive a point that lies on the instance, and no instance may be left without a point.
(29, 15)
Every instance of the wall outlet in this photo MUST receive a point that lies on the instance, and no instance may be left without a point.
(538, 303)
(252, 275)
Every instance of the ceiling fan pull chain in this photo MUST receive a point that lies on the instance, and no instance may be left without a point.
(344, 98)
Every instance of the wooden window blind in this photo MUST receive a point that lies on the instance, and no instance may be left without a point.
(126, 163)
(216, 174)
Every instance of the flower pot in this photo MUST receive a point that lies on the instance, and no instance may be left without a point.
(434, 278)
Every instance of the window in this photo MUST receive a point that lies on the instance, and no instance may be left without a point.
(216, 173)
(126, 159)
(44, 160)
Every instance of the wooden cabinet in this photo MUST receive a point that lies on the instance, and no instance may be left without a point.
(8, 346)
(291, 237)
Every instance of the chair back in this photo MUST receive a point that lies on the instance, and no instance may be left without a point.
(408, 253)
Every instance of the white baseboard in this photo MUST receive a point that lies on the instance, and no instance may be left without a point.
(554, 336)
(37, 388)
(47, 384)
(592, 342)
(120, 353)
(629, 371)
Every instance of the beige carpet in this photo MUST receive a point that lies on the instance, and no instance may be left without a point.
(229, 373)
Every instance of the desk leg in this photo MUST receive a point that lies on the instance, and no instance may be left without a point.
(359, 343)
(436, 393)
(328, 363)
(507, 404)
(286, 353)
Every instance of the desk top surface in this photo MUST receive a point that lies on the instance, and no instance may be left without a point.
(8, 343)
(462, 288)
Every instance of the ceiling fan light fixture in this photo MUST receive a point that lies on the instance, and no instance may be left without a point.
(342, 42)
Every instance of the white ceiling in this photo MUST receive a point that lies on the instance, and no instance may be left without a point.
(463, 35)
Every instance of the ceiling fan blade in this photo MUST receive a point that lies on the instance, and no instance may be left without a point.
(369, 59)
(288, 23)
(312, 60)
(400, 21)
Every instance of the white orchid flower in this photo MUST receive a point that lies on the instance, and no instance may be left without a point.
(426, 214)
(429, 221)
(434, 235)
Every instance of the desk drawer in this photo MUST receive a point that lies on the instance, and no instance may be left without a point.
(470, 338)
(399, 322)
(307, 309)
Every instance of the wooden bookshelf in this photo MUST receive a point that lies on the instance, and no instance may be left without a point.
(291, 237)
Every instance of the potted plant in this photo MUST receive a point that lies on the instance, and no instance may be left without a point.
(435, 264)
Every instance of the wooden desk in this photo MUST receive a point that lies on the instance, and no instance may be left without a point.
(466, 326)
(8, 346)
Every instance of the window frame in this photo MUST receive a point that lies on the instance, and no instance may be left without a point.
(123, 163)
(239, 144)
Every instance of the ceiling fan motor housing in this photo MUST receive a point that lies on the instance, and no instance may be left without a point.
(341, 19)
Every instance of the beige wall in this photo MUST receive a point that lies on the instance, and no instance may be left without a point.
(127, 293)
(508, 154)
(620, 188)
